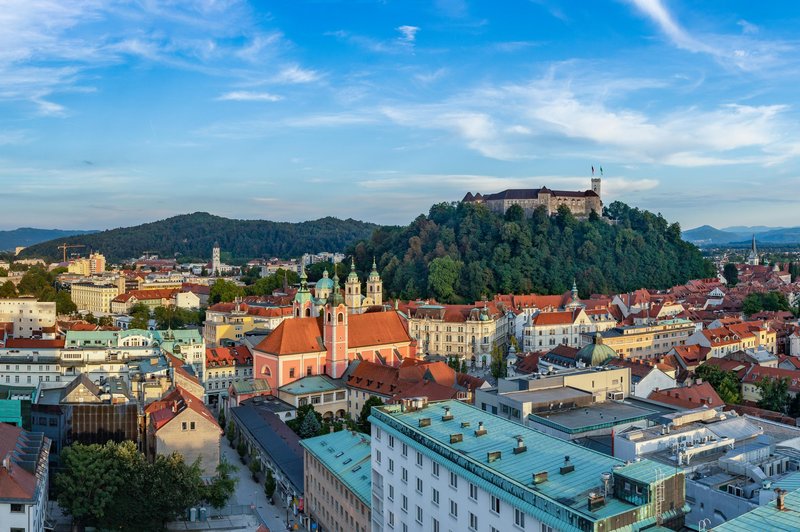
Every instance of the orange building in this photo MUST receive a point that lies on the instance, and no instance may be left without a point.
(326, 344)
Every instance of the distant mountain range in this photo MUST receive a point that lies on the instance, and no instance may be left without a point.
(28, 236)
(193, 236)
(707, 235)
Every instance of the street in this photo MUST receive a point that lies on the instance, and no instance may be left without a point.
(250, 493)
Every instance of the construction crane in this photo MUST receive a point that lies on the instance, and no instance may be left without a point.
(66, 246)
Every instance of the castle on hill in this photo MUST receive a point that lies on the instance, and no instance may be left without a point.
(581, 203)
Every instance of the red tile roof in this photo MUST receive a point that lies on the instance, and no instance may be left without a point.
(15, 482)
(757, 373)
(33, 343)
(305, 335)
(689, 396)
(146, 295)
(228, 356)
(555, 318)
(172, 404)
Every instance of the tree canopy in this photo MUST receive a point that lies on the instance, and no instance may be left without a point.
(759, 301)
(224, 291)
(464, 252)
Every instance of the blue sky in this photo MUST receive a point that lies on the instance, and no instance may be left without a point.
(117, 113)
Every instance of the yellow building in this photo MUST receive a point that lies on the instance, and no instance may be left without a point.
(647, 341)
(95, 298)
(465, 331)
(94, 263)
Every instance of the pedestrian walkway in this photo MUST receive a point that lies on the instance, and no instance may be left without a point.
(234, 522)
(252, 494)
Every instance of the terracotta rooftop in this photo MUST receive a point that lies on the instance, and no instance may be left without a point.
(172, 404)
(689, 396)
(228, 356)
(18, 481)
(33, 343)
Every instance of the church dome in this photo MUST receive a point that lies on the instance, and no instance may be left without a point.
(373, 275)
(595, 354)
(326, 283)
(352, 277)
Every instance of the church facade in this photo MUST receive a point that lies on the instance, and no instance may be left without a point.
(580, 203)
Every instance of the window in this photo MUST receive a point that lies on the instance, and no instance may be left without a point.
(419, 515)
(473, 521)
(495, 504)
(473, 491)
(453, 508)
(391, 442)
(17, 508)
(391, 492)
(183, 425)
(435, 525)
(419, 485)
(291, 373)
(519, 518)
(435, 497)
(404, 474)
(435, 469)
(419, 458)
(391, 465)
(378, 456)
(405, 450)
(391, 519)
(453, 480)
(404, 504)
(191, 425)
(546, 528)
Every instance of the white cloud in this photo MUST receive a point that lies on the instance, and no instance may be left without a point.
(747, 27)
(408, 33)
(247, 96)
(292, 74)
(655, 10)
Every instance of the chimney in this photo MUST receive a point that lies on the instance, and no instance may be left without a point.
(567, 467)
(520, 448)
(447, 415)
(779, 503)
(480, 431)
(7, 462)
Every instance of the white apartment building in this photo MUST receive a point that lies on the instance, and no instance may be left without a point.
(448, 466)
(546, 330)
(27, 314)
(23, 473)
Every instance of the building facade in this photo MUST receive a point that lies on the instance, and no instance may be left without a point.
(94, 298)
(27, 315)
(648, 341)
(24, 475)
(579, 203)
(337, 481)
(449, 466)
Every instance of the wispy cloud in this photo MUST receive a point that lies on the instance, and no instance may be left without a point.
(658, 13)
(295, 74)
(408, 33)
(247, 96)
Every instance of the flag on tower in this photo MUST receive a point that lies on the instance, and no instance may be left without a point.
(601, 171)
(592, 169)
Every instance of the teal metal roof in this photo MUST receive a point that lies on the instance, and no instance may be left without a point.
(251, 386)
(346, 455)
(514, 472)
(102, 338)
(310, 384)
(768, 517)
(790, 482)
(11, 411)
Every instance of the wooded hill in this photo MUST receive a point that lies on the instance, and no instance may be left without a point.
(193, 235)
(462, 252)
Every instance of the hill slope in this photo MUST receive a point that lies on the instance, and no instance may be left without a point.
(28, 236)
(707, 235)
(193, 235)
(711, 236)
(463, 252)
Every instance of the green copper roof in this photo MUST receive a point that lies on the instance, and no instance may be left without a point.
(510, 475)
(352, 277)
(346, 455)
(310, 384)
(595, 354)
(373, 275)
(768, 517)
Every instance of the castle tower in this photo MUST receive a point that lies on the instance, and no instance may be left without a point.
(335, 332)
(352, 289)
(375, 285)
(216, 264)
(596, 185)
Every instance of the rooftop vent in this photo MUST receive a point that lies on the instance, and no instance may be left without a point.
(425, 422)
(447, 415)
(456, 438)
(492, 456)
(540, 477)
(464, 424)
(567, 467)
(596, 501)
(779, 503)
(520, 448)
(480, 431)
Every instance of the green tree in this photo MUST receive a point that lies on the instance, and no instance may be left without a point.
(222, 486)
(731, 274)
(224, 291)
(266, 285)
(443, 274)
(8, 289)
(241, 449)
(310, 427)
(363, 420)
(35, 282)
(498, 364)
(105, 321)
(269, 485)
(725, 383)
(230, 432)
(88, 482)
(89, 318)
(64, 304)
(255, 467)
(774, 394)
